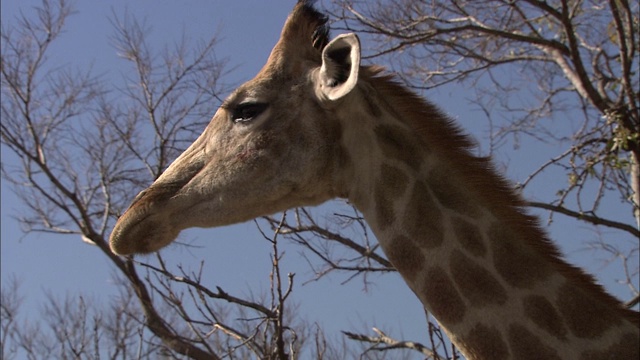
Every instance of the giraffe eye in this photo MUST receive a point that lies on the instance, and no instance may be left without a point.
(248, 111)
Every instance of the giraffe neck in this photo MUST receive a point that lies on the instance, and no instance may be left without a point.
(482, 267)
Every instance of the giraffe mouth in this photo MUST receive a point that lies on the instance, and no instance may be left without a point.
(148, 225)
(140, 230)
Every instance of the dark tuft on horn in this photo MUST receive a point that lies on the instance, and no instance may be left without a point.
(304, 35)
(320, 36)
(307, 21)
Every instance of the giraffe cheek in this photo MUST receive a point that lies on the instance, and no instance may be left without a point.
(246, 155)
(259, 146)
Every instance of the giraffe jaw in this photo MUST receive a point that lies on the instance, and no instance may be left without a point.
(158, 214)
(147, 226)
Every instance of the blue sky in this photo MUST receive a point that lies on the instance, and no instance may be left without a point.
(236, 257)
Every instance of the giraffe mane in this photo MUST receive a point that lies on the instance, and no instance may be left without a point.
(441, 134)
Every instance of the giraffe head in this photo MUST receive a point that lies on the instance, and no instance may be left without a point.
(272, 145)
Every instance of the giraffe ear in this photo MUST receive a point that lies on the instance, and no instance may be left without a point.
(340, 64)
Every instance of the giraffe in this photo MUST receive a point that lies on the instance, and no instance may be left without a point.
(315, 124)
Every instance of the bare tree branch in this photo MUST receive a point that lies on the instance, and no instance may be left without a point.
(586, 217)
(390, 343)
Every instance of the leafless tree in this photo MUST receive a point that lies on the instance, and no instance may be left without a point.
(574, 62)
(572, 84)
(84, 150)
(83, 156)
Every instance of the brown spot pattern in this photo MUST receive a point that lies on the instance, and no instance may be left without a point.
(627, 348)
(526, 346)
(518, 265)
(394, 180)
(397, 143)
(539, 310)
(476, 283)
(385, 214)
(586, 317)
(443, 298)
(468, 235)
(423, 219)
(450, 195)
(483, 342)
(406, 256)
